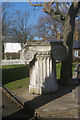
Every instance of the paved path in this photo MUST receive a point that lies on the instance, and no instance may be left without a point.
(63, 104)
(12, 110)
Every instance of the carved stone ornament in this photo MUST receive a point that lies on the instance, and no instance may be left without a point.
(27, 56)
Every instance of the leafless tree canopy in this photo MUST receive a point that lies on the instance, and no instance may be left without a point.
(57, 10)
(48, 28)
(6, 22)
(15, 24)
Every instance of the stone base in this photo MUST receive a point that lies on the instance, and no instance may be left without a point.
(42, 89)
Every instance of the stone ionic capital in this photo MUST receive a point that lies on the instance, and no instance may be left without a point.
(43, 54)
(27, 56)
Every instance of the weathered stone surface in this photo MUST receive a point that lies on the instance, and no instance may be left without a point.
(42, 56)
(27, 56)
(59, 52)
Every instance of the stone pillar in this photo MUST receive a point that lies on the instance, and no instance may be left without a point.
(42, 62)
(43, 74)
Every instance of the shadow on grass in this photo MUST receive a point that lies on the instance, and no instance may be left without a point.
(10, 75)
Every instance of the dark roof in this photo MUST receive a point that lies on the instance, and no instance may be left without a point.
(76, 44)
(55, 40)
(11, 40)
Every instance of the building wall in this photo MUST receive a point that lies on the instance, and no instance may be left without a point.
(12, 47)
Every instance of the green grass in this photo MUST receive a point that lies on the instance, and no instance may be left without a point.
(0, 66)
(58, 67)
(11, 66)
(18, 84)
(17, 76)
(73, 67)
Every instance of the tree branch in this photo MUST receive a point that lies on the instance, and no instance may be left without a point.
(47, 8)
(59, 10)
(57, 17)
(35, 4)
(75, 7)
(51, 2)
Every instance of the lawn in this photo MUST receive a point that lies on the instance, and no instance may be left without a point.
(17, 76)
(58, 67)
(18, 84)
(11, 66)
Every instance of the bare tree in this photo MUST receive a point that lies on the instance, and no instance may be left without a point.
(64, 13)
(6, 17)
(48, 28)
(20, 27)
(15, 24)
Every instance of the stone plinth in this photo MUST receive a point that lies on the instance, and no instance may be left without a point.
(42, 58)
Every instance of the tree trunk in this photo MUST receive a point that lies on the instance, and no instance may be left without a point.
(69, 25)
(66, 68)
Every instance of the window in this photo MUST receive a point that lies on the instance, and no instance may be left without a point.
(76, 53)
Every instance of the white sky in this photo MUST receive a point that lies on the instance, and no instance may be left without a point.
(12, 47)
